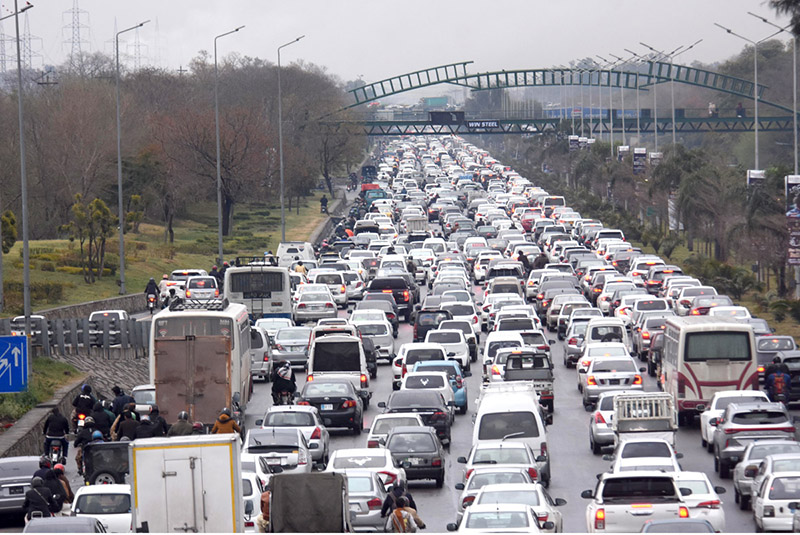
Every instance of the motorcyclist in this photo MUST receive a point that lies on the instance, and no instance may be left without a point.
(198, 429)
(83, 437)
(38, 499)
(540, 261)
(146, 428)
(44, 467)
(283, 380)
(300, 268)
(151, 288)
(83, 403)
(182, 427)
(777, 379)
(55, 487)
(323, 205)
(173, 298)
(56, 428)
(102, 422)
(158, 421)
(225, 424)
(390, 502)
(59, 469)
(162, 285)
(127, 427)
(120, 400)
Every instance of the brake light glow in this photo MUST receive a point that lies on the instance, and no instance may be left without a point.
(495, 369)
(349, 404)
(637, 379)
(266, 356)
(373, 443)
(591, 381)
(600, 519)
(374, 504)
(645, 335)
(469, 473)
(364, 380)
(436, 462)
(683, 512)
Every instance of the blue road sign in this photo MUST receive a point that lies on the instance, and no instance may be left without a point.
(13, 364)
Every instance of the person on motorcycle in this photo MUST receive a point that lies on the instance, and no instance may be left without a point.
(83, 437)
(173, 298)
(56, 428)
(225, 424)
(151, 288)
(182, 427)
(323, 204)
(162, 285)
(198, 428)
(777, 379)
(158, 421)
(55, 487)
(120, 400)
(83, 403)
(127, 426)
(283, 380)
(44, 467)
(300, 268)
(38, 500)
(146, 429)
(59, 469)
(102, 422)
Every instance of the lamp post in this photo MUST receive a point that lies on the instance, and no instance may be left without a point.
(794, 78)
(638, 108)
(216, 127)
(280, 137)
(610, 104)
(755, 76)
(119, 166)
(622, 96)
(26, 270)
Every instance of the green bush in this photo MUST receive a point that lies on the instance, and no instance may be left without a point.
(47, 266)
(40, 291)
(73, 270)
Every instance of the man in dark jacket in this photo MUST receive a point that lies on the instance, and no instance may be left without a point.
(182, 427)
(101, 420)
(390, 502)
(52, 483)
(84, 402)
(56, 428)
(158, 421)
(39, 499)
(540, 261)
(120, 400)
(127, 428)
(146, 429)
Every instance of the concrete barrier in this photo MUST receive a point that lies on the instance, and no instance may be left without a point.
(132, 303)
(26, 436)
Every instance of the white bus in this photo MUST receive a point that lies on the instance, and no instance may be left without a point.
(265, 290)
(200, 360)
(703, 356)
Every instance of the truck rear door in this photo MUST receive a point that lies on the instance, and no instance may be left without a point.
(193, 374)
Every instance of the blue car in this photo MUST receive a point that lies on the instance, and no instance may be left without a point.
(456, 376)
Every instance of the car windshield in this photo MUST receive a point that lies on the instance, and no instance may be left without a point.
(510, 496)
(501, 456)
(444, 337)
(144, 397)
(495, 426)
(424, 381)
(384, 425)
(760, 418)
(785, 488)
(497, 478)
(103, 504)
(646, 449)
(613, 366)
(411, 443)
(289, 419)
(610, 333)
(495, 520)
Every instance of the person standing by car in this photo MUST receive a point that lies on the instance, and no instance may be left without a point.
(38, 500)
(225, 424)
(526, 264)
(56, 428)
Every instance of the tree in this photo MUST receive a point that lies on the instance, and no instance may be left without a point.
(91, 225)
(9, 230)
(791, 8)
(135, 214)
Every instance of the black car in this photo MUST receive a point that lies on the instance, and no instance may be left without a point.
(429, 405)
(400, 288)
(419, 451)
(386, 307)
(427, 320)
(338, 403)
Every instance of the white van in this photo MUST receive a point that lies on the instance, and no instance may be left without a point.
(292, 251)
(606, 330)
(340, 356)
(514, 414)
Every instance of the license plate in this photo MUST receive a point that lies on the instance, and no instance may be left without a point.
(327, 406)
(613, 381)
(273, 461)
(415, 461)
(16, 490)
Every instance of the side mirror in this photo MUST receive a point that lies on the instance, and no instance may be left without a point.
(248, 508)
(459, 486)
(487, 362)
(382, 404)
(642, 369)
(548, 526)
(259, 423)
(679, 455)
(462, 460)
(750, 472)
(700, 408)
(608, 458)
(713, 422)
(452, 526)
(587, 494)
(686, 491)
(723, 490)
(558, 502)
(541, 459)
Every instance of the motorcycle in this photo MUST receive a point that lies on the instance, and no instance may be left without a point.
(283, 398)
(55, 454)
(151, 303)
(78, 421)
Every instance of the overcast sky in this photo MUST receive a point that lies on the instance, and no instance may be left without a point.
(376, 39)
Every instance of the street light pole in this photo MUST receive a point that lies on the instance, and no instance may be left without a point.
(638, 108)
(26, 258)
(119, 167)
(280, 137)
(219, 165)
(622, 96)
(610, 105)
(755, 76)
(672, 82)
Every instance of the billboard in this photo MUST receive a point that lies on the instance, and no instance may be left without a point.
(792, 191)
(756, 177)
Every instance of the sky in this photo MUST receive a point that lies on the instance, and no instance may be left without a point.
(377, 39)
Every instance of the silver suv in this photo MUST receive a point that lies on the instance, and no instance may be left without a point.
(743, 423)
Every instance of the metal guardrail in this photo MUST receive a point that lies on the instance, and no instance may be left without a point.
(73, 335)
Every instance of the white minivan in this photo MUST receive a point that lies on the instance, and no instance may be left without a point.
(340, 356)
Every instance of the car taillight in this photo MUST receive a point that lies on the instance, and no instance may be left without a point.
(543, 449)
(398, 363)
(495, 369)
(600, 519)
(533, 473)
(651, 282)
(405, 370)
(390, 477)
(406, 295)
(436, 462)
(387, 291)
(390, 315)
(317, 434)
(530, 283)
(279, 347)
(591, 381)
(349, 404)
(543, 347)
(475, 319)
(373, 444)
(438, 415)
(597, 290)
(469, 473)
(637, 379)
(330, 305)
(364, 380)
(343, 289)
(266, 356)
(645, 335)
(310, 377)
(542, 517)
(188, 293)
(467, 501)
(769, 510)
(303, 403)
(683, 512)
(760, 369)
(249, 524)
(572, 342)
(586, 363)
(598, 418)
(712, 504)
(374, 504)
(301, 305)
(540, 296)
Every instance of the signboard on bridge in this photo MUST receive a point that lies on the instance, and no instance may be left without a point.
(446, 117)
(13, 364)
(482, 125)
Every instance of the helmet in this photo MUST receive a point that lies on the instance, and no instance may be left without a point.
(88, 420)
(776, 360)
(225, 264)
(226, 411)
(165, 276)
(197, 426)
(44, 462)
(86, 389)
(37, 482)
(183, 415)
(154, 408)
(97, 435)
(59, 468)
(152, 279)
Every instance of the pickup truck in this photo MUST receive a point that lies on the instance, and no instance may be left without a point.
(623, 502)
(533, 366)
(645, 415)
(514, 387)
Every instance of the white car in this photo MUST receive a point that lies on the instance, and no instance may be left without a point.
(602, 349)
(382, 424)
(704, 502)
(416, 351)
(717, 406)
(496, 518)
(649, 454)
(737, 312)
(373, 459)
(305, 418)
(454, 343)
(533, 494)
(771, 501)
(251, 495)
(109, 504)
(488, 475)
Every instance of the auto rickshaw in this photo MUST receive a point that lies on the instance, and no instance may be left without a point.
(105, 463)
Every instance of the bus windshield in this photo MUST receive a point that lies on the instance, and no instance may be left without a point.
(720, 345)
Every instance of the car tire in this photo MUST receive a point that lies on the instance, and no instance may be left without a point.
(710, 447)
(357, 428)
(736, 495)
(744, 503)
(104, 478)
(716, 463)
(440, 481)
(704, 442)
(593, 445)
(724, 470)
(463, 410)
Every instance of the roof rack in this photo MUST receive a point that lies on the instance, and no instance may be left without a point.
(200, 304)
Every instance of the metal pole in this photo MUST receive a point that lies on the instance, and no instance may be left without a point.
(794, 98)
(755, 93)
(219, 165)
(121, 207)
(26, 259)
(583, 109)
(638, 111)
(622, 94)
(280, 138)
(672, 93)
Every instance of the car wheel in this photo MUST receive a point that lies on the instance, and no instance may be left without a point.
(651, 370)
(357, 428)
(744, 503)
(103, 478)
(716, 462)
(467, 367)
(710, 447)
(724, 470)
(440, 481)
(408, 316)
(463, 410)
(736, 495)
(593, 445)
(394, 333)
(704, 442)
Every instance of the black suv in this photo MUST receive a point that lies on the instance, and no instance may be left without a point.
(427, 320)
(400, 288)
(428, 404)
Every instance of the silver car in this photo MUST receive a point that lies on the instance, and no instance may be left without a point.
(261, 357)
(366, 493)
(291, 343)
(202, 288)
(600, 432)
(380, 332)
(305, 418)
(610, 373)
(355, 285)
(314, 306)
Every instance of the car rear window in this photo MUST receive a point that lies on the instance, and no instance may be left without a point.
(785, 488)
(495, 346)
(375, 329)
(499, 478)
(384, 425)
(205, 282)
(103, 504)
(289, 419)
(495, 426)
(639, 487)
(444, 337)
(510, 496)
(533, 338)
(359, 484)
(411, 442)
(645, 449)
(359, 461)
(501, 456)
(431, 318)
(460, 310)
(759, 452)
(328, 279)
(416, 355)
(775, 344)
(424, 381)
(516, 324)
(388, 284)
(651, 304)
(613, 366)
(759, 418)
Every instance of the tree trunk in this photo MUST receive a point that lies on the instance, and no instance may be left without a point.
(782, 289)
(227, 212)
(170, 229)
(298, 205)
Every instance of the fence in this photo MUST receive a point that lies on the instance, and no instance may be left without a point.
(76, 335)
